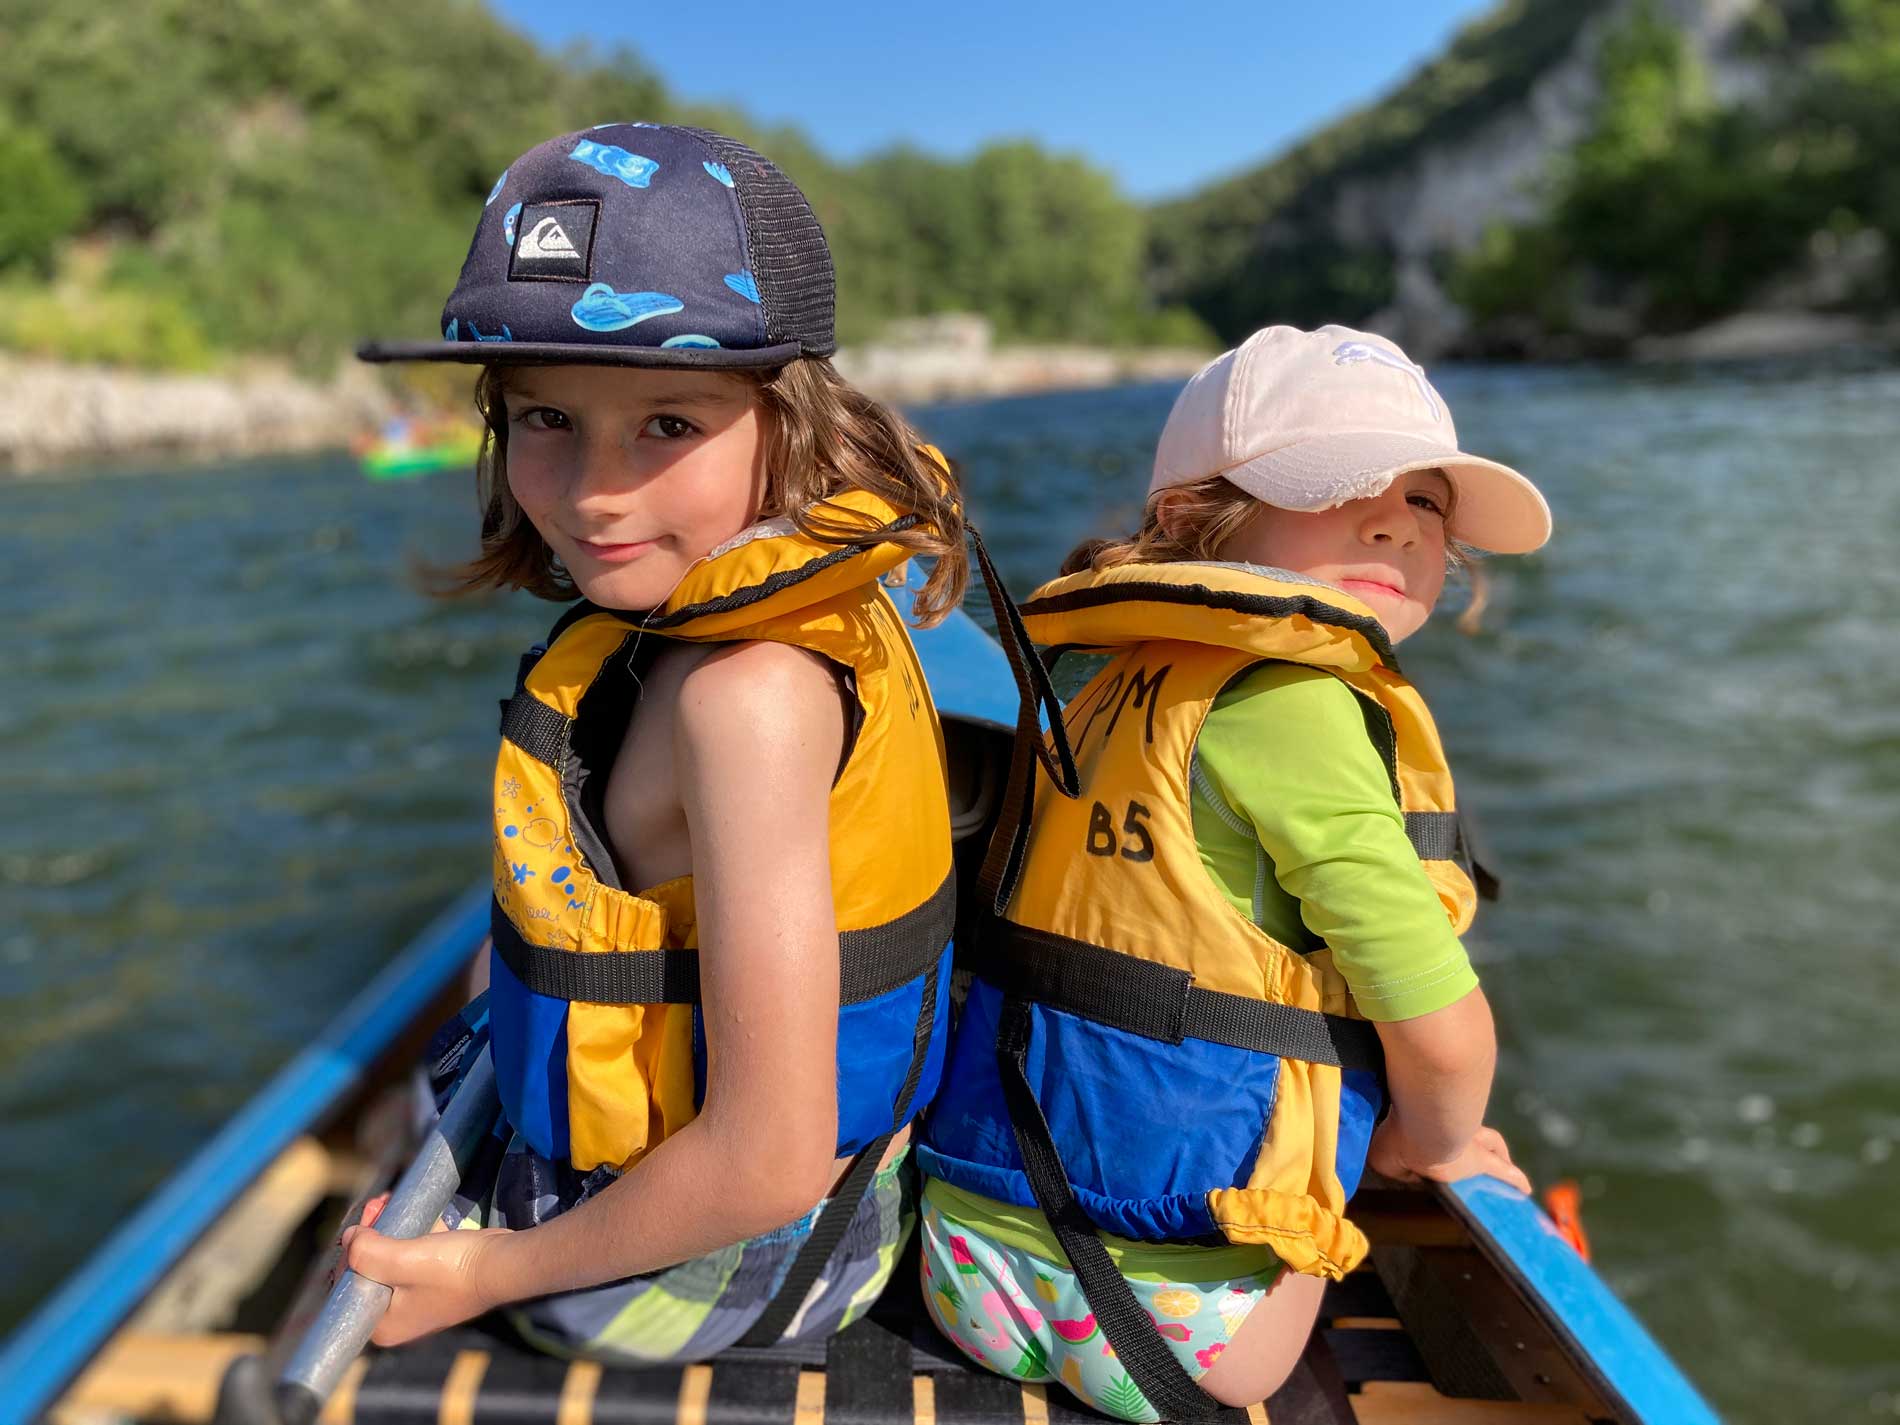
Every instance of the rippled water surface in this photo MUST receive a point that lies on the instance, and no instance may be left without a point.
(241, 761)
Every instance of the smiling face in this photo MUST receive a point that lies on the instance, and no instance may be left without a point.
(1387, 551)
(632, 475)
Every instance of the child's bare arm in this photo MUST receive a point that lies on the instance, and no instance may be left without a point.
(760, 733)
(1438, 1069)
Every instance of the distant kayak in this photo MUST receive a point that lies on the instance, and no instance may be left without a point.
(399, 462)
(406, 447)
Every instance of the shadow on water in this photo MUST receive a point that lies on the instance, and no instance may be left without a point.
(244, 760)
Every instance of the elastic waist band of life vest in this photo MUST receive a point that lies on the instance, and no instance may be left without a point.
(1159, 1001)
(872, 962)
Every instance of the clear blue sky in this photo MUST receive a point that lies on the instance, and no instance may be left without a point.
(1167, 95)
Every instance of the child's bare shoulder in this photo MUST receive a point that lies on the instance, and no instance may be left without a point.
(764, 694)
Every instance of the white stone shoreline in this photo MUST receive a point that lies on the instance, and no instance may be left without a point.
(54, 415)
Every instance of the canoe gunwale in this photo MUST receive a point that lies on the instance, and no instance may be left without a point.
(53, 1346)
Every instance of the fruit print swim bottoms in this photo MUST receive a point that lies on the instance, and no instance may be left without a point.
(1024, 1316)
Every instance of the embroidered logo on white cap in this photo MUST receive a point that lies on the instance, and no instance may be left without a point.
(1349, 353)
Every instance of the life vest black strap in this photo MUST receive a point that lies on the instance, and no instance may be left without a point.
(815, 1251)
(535, 728)
(1159, 1001)
(877, 960)
(1133, 1335)
(1449, 836)
(1436, 835)
(828, 1231)
(1036, 696)
(597, 977)
(872, 962)
(1161, 591)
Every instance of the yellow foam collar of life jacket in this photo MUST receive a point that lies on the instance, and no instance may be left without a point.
(1116, 872)
(613, 1075)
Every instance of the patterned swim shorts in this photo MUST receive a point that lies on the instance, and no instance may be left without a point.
(1023, 1315)
(689, 1311)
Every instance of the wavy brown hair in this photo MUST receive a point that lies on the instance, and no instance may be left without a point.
(824, 437)
(1199, 518)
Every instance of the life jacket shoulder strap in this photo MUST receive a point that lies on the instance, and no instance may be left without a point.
(1435, 835)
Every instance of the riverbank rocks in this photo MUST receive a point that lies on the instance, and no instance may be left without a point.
(55, 414)
(954, 357)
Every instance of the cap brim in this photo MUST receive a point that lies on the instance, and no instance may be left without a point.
(554, 353)
(1493, 507)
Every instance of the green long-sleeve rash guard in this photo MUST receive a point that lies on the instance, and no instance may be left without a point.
(1295, 820)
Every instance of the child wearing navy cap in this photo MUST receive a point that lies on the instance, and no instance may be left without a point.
(719, 980)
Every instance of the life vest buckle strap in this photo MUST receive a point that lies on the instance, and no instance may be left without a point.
(1106, 986)
(1284, 1030)
(876, 960)
(597, 977)
(535, 728)
(872, 962)
(1159, 1001)
(1436, 835)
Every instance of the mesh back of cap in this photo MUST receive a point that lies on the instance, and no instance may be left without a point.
(790, 259)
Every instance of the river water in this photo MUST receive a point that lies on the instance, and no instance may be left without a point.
(243, 760)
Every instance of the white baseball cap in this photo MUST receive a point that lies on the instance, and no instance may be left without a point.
(1309, 420)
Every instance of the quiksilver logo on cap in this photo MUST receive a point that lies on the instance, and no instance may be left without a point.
(547, 239)
(556, 242)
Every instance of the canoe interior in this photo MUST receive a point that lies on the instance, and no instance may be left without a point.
(1428, 1331)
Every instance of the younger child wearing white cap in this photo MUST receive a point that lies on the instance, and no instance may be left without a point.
(1227, 975)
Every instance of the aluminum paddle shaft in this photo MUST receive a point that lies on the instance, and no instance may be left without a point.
(356, 1303)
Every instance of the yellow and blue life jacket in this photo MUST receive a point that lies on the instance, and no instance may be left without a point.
(1135, 1055)
(599, 1046)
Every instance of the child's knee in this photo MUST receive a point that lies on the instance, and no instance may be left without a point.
(1268, 1344)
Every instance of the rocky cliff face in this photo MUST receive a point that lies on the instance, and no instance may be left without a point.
(1444, 199)
(1361, 220)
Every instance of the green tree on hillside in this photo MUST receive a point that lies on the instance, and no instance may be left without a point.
(43, 205)
(1682, 211)
(290, 178)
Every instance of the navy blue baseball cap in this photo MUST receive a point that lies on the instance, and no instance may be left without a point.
(638, 245)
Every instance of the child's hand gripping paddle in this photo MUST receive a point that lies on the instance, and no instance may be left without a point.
(355, 1303)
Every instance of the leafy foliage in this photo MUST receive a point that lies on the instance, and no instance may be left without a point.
(1123, 1398)
(187, 180)
(1664, 191)
(1672, 209)
(89, 318)
(42, 206)
(294, 177)
(1684, 211)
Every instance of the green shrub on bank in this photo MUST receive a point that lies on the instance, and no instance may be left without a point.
(41, 207)
(1515, 272)
(105, 325)
(1682, 212)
